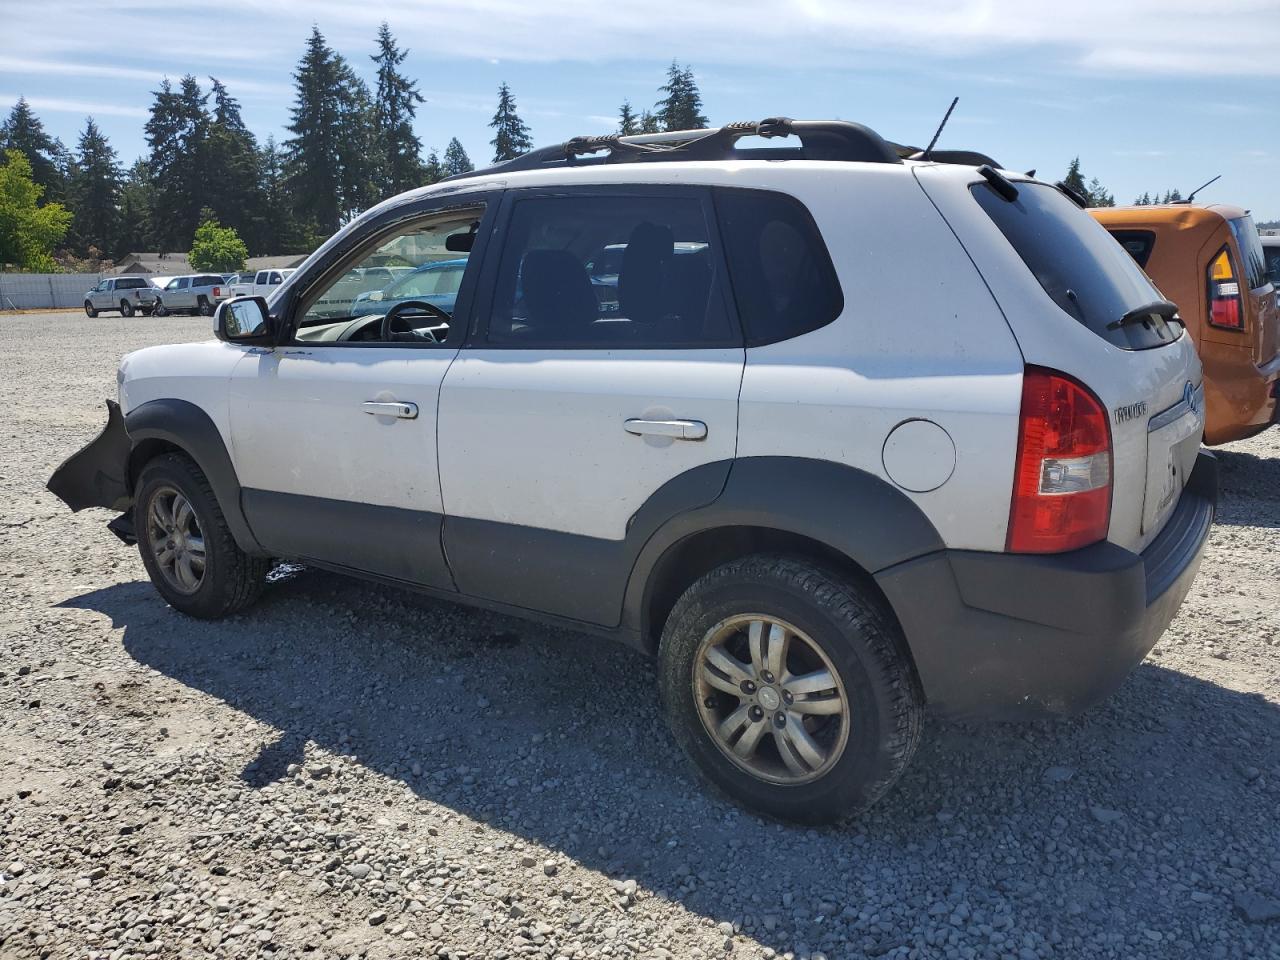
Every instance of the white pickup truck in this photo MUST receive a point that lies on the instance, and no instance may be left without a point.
(259, 284)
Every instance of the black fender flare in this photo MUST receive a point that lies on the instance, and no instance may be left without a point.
(848, 510)
(186, 426)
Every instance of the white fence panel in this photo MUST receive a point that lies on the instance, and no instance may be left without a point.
(33, 291)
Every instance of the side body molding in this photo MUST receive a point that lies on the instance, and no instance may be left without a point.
(848, 510)
(184, 425)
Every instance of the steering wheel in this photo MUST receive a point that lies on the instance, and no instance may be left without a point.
(394, 327)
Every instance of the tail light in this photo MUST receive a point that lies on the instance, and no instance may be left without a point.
(1224, 293)
(217, 291)
(1062, 477)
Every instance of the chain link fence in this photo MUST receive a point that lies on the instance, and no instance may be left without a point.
(34, 291)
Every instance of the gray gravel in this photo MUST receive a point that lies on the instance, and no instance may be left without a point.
(350, 771)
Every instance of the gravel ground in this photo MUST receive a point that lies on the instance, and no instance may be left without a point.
(346, 770)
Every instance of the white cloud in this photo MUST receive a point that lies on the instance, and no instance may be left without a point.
(82, 107)
(1125, 38)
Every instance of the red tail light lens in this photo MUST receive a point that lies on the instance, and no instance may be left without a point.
(1062, 477)
(217, 291)
(1224, 293)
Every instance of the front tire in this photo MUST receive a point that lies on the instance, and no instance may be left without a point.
(160, 309)
(89, 311)
(790, 689)
(126, 308)
(190, 555)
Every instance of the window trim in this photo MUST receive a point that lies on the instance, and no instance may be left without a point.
(828, 265)
(483, 307)
(364, 238)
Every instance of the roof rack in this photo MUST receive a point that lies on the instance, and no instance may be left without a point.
(818, 140)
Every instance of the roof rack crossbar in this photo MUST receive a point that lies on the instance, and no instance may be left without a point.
(819, 140)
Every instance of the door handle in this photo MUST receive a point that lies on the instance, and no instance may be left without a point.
(676, 429)
(402, 409)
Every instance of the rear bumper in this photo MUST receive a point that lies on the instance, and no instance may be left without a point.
(1240, 396)
(1008, 636)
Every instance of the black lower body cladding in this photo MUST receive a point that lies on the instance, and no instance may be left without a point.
(98, 474)
(1007, 636)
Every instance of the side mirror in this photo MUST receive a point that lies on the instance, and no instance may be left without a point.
(243, 320)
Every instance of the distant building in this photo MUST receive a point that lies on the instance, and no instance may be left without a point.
(176, 264)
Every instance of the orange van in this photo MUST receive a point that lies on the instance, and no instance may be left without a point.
(1208, 259)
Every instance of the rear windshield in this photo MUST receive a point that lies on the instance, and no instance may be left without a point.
(130, 283)
(208, 281)
(1079, 265)
(1250, 244)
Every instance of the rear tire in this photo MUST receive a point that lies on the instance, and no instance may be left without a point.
(204, 308)
(89, 311)
(126, 308)
(186, 546)
(827, 740)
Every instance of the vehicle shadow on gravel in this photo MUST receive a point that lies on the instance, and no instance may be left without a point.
(1250, 489)
(557, 738)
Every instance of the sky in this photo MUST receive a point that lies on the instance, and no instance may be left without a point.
(1150, 94)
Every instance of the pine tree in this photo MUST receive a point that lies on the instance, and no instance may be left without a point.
(627, 123)
(1075, 179)
(137, 201)
(511, 136)
(330, 169)
(433, 170)
(95, 193)
(1098, 195)
(178, 134)
(456, 160)
(681, 108)
(232, 175)
(649, 123)
(280, 231)
(24, 132)
(395, 106)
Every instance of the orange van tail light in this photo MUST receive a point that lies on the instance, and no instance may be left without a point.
(1062, 476)
(1224, 293)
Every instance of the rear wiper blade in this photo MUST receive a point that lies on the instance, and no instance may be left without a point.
(1160, 308)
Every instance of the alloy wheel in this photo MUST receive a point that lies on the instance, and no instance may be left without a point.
(770, 699)
(177, 543)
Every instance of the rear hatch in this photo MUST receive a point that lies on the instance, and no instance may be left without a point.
(1265, 315)
(1077, 302)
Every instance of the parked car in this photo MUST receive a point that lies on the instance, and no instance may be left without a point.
(436, 283)
(1209, 260)
(196, 293)
(260, 283)
(889, 435)
(126, 295)
(1271, 250)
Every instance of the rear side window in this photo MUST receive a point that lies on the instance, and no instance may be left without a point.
(1079, 265)
(1139, 243)
(783, 280)
(1250, 244)
(665, 294)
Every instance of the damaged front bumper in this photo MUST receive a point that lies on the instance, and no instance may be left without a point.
(98, 475)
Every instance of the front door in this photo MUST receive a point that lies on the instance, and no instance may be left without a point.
(605, 367)
(334, 434)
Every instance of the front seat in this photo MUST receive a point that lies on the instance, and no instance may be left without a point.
(642, 281)
(557, 294)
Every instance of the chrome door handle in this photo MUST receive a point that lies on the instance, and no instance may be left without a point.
(403, 409)
(676, 429)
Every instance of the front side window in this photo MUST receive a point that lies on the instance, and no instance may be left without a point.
(664, 292)
(349, 306)
(261, 277)
(173, 284)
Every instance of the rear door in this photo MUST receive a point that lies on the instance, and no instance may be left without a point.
(579, 398)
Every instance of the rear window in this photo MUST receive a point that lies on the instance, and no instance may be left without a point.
(1250, 244)
(130, 283)
(208, 281)
(1079, 265)
(783, 281)
(1273, 263)
(1139, 243)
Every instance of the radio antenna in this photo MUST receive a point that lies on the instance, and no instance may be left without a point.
(1192, 195)
(934, 142)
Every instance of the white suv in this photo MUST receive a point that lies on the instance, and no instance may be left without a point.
(844, 436)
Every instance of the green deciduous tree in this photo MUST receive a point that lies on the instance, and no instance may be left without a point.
(331, 153)
(681, 107)
(511, 134)
(94, 193)
(28, 231)
(216, 248)
(395, 104)
(456, 160)
(49, 160)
